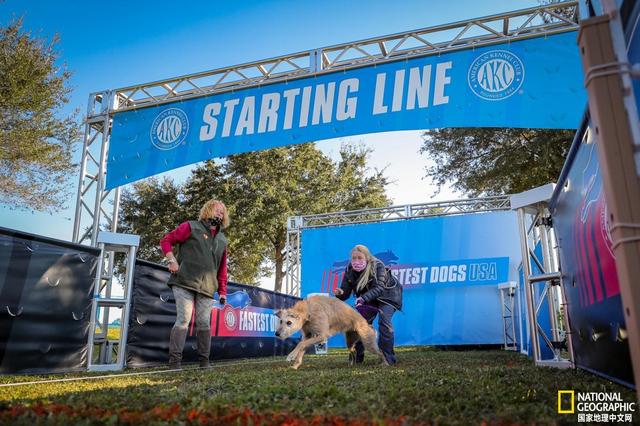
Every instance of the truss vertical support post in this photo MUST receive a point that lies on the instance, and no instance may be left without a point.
(315, 61)
(102, 169)
(518, 306)
(552, 299)
(128, 291)
(512, 304)
(113, 224)
(504, 316)
(297, 288)
(507, 303)
(110, 243)
(557, 291)
(287, 264)
(81, 187)
(615, 119)
(526, 271)
(94, 306)
(292, 264)
(91, 196)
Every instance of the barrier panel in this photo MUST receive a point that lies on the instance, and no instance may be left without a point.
(582, 223)
(46, 287)
(45, 303)
(242, 328)
(450, 268)
(589, 272)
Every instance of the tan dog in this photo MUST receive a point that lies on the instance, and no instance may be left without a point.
(320, 317)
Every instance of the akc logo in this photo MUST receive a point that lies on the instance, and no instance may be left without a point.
(230, 319)
(496, 75)
(169, 129)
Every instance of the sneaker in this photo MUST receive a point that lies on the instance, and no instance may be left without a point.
(204, 364)
(175, 365)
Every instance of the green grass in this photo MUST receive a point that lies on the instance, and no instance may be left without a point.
(427, 386)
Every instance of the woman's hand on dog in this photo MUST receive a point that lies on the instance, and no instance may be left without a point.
(338, 292)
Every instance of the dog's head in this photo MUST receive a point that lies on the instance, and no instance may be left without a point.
(291, 320)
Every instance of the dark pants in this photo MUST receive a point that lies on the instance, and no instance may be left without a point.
(385, 333)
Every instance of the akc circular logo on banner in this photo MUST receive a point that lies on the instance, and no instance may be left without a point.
(169, 129)
(496, 75)
(230, 319)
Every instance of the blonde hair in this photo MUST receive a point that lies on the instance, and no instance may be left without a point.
(370, 268)
(207, 212)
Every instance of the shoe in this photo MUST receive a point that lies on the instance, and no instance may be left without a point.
(176, 345)
(204, 346)
(175, 365)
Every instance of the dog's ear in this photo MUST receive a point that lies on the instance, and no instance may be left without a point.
(279, 313)
(307, 312)
(301, 309)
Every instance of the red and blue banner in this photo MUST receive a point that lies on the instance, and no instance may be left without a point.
(242, 320)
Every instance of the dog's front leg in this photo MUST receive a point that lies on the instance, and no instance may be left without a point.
(298, 360)
(304, 344)
(302, 347)
(294, 353)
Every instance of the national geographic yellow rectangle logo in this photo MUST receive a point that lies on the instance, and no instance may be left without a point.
(571, 408)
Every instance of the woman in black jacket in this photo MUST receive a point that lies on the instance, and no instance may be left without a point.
(377, 293)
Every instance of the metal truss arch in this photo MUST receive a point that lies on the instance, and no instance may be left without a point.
(97, 208)
(500, 28)
(296, 224)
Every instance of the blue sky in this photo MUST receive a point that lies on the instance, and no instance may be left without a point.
(116, 43)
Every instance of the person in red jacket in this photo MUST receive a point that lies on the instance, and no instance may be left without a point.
(198, 269)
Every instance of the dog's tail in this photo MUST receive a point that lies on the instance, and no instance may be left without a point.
(368, 338)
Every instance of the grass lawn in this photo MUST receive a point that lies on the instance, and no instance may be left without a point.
(427, 386)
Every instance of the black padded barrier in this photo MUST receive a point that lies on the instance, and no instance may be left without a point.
(46, 287)
(153, 313)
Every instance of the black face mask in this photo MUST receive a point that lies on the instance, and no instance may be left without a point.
(214, 221)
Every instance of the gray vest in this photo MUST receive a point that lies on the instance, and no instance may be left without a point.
(199, 258)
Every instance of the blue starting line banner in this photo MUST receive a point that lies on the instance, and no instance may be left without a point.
(535, 83)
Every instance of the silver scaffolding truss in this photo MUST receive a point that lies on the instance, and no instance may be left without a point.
(97, 209)
(296, 224)
(535, 227)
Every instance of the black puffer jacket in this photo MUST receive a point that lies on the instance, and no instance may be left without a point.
(381, 287)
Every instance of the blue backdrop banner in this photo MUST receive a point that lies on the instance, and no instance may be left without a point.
(450, 268)
(535, 83)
